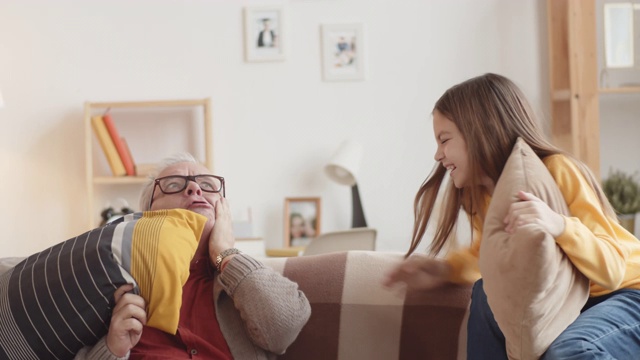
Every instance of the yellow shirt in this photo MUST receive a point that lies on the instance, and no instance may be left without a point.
(600, 248)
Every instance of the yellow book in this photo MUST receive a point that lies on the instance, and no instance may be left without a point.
(108, 147)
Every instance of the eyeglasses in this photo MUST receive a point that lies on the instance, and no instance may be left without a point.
(174, 184)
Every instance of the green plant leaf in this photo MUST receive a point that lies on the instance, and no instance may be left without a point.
(622, 191)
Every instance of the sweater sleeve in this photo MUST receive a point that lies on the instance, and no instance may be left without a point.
(99, 351)
(590, 239)
(464, 262)
(271, 306)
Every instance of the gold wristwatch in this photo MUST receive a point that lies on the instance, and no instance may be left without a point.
(223, 255)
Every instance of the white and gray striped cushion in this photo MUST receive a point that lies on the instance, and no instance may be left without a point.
(59, 300)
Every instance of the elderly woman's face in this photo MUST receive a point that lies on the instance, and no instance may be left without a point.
(192, 197)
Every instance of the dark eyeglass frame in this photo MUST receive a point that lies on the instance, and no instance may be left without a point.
(156, 183)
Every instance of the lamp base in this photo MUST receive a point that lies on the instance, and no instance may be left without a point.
(357, 217)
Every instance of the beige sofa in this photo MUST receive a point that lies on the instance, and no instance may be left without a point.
(354, 317)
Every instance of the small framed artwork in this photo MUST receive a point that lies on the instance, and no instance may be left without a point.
(301, 220)
(264, 33)
(618, 35)
(342, 52)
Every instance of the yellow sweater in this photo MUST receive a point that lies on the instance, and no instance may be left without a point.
(599, 247)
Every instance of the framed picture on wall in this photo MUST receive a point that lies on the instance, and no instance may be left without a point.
(301, 220)
(342, 52)
(264, 33)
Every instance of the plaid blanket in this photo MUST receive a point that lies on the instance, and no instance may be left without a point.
(353, 317)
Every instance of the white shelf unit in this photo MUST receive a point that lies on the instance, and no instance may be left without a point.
(98, 175)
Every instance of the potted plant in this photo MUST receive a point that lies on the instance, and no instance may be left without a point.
(623, 192)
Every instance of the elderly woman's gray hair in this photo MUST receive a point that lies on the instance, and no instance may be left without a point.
(145, 195)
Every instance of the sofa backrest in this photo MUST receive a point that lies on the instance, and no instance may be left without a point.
(352, 239)
(7, 263)
(354, 317)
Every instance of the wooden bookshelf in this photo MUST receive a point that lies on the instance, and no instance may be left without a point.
(100, 180)
(573, 71)
(621, 90)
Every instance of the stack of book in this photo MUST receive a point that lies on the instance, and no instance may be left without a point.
(114, 146)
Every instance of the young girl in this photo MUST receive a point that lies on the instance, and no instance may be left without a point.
(476, 123)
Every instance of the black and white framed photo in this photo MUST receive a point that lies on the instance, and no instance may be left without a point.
(343, 52)
(264, 33)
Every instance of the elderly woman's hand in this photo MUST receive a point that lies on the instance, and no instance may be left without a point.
(222, 237)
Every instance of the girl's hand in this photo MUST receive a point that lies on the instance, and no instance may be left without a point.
(222, 237)
(127, 319)
(419, 272)
(531, 210)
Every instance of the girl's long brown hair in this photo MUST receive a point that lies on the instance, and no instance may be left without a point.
(491, 112)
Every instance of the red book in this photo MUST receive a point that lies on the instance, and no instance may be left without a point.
(126, 147)
(121, 147)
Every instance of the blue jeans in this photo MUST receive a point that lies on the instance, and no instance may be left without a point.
(608, 328)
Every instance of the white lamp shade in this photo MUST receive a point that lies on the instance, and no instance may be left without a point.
(345, 163)
(1, 100)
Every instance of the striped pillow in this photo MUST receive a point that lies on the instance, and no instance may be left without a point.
(57, 301)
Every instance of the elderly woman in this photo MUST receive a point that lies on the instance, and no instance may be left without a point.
(233, 307)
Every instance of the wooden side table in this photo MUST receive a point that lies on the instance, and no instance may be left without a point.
(285, 252)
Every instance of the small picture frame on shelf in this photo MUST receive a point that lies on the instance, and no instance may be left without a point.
(618, 35)
(343, 52)
(301, 220)
(264, 35)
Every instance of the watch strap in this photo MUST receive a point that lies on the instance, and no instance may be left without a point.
(223, 255)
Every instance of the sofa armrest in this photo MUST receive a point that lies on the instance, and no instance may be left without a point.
(7, 263)
(354, 317)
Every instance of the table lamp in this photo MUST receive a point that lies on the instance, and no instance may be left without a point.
(343, 169)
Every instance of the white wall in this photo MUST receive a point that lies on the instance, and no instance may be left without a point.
(275, 124)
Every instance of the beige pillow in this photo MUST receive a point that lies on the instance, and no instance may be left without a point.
(532, 288)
